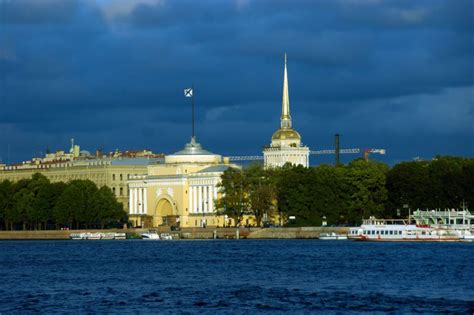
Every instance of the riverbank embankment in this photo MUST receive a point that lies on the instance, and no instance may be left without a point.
(189, 233)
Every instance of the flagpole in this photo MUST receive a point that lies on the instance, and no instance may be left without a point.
(193, 107)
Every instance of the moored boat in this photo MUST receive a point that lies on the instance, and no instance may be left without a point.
(107, 236)
(332, 236)
(92, 236)
(400, 231)
(120, 236)
(166, 236)
(150, 235)
(76, 236)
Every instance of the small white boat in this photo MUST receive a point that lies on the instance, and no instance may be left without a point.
(166, 236)
(120, 236)
(76, 236)
(92, 236)
(332, 236)
(150, 235)
(107, 236)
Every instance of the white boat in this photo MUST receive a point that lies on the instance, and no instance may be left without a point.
(400, 231)
(76, 236)
(120, 236)
(332, 236)
(107, 236)
(92, 236)
(150, 235)
(166, 236)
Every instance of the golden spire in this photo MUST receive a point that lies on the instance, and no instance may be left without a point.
(285, 120)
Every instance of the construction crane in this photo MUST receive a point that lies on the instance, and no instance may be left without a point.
(336, 152)
(366, 153)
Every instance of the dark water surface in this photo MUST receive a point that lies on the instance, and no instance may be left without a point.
(290, 276)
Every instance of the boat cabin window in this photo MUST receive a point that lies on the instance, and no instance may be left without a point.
(391, 232)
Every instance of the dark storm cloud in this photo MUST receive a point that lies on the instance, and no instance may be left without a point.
(111, 73)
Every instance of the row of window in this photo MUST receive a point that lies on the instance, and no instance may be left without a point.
(114, 190)
(384, 232)
(121, 176)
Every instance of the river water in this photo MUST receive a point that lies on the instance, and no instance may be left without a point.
(228, 276)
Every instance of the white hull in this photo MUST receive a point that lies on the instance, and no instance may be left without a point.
(150, 236)
(332, 237)
(98, 236)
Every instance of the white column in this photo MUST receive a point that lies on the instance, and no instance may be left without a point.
(211, 202)
(190, 199)
(194, 199)
(140, 200)
(130, 201)
(199, 210)
(204, 199)
(135, 200)
(215, 192)
(145, 199)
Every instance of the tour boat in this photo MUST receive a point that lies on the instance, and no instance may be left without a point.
(400, 231)
(150, 235)
(332, 236)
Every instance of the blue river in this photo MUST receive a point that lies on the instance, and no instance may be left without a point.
(235, 277)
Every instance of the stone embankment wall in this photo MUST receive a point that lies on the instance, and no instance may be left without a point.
(189, 233)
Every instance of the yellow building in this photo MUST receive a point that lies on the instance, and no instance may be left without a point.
(181, 192)
(113, 170)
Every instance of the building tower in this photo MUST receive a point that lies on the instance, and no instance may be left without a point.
(286, 142)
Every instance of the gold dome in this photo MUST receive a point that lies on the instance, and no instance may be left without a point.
(286, 134)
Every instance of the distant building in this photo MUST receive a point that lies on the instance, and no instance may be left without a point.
(112, 170)
(286, 142)
(182, 191)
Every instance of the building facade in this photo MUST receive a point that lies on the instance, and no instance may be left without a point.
(112, 170)
(180, 192)
(286, 146)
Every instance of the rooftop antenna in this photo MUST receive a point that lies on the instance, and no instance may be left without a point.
(192, 87)
(189, 92)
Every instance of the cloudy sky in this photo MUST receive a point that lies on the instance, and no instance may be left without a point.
(397, 75)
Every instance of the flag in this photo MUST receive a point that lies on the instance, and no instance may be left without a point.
(188, 92)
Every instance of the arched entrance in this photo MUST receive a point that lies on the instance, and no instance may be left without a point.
(165, 213)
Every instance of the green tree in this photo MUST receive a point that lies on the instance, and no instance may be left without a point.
(234, 202)
(366, 187)
(45, 202)
(407, 184)
(106, 209)
(261, 192)
(74, 204)
(294, 195)
(6, 188)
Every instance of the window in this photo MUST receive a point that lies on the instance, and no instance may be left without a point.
(113, 176)
(121, 177)
(113, 190)
(391, 232)
(121, 191)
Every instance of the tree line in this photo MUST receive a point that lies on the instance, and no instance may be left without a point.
(345, 194)
(37, 204)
